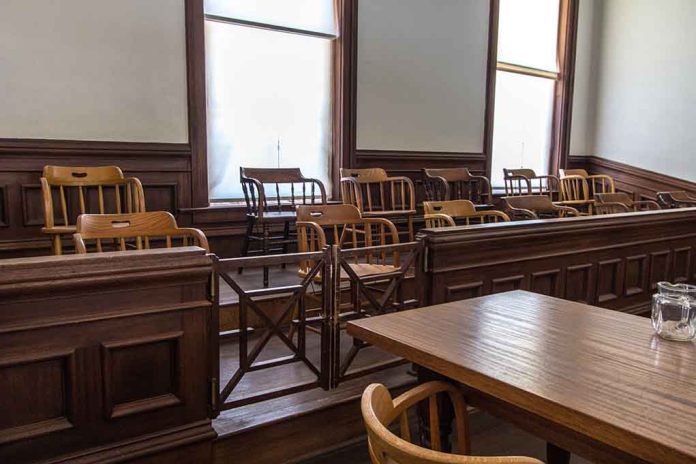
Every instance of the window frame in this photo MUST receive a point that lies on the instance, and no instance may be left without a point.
(563, 89)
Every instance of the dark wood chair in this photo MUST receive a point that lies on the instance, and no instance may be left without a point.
(677, 199)
(446, 214)
(527, 182)
(380, 411)
(456, 184)
(620, 202)
(135, 231)
(271, 196)
(377, 194)
(71, 191)
(536, 207)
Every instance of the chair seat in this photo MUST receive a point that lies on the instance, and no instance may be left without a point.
(361, 269)
(59, 230)
(278, 216)
(407, 212)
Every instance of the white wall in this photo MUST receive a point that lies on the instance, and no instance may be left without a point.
(93, 70)
(421, 81)
(645, 89)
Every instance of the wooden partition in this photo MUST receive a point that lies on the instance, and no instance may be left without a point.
(613, 261)
(107, 358)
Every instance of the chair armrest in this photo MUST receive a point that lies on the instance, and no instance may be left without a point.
(301, 226)
(487, 182)
(521, 212)
(260, 201)
(568, 209)
(319, 183)
(141, 193)
(492, 213)
(647, 205)
(384, 222)
(198, 234)
(411, 189)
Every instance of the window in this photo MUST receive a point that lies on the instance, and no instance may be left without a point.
(269, 86)
(526, 80)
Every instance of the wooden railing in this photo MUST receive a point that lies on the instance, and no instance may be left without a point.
(613, 261)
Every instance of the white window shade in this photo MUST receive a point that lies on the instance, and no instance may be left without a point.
(269, 104)
(308, 15)
(523, 114)
(528, 33)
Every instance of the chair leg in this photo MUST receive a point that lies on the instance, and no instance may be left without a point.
(57, 245)
(264, 243)
(245, 244)
(286, 238)
(410, 228)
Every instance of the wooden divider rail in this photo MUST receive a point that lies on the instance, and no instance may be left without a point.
(613, 261)
(107, 358)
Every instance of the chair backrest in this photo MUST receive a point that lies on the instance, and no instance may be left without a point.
(134, 231)
(597, 183)
(575, 188)
(676, 199)
(445, 213)
(573, 172)
(72, 191)
(535, 206)
(372, 190)
(343, 225)
(279, 189)
(527, 182)
(456, 184)
(379, 411)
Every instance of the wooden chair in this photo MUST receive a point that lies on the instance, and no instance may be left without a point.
(536, 207)
(456, 184)
(347, 229)
(121, 232)
(677, 199)
(379, 411)
(526, 182)
(445, 214)
(597, 183)
(376, 194)
(269, 209)
(620, 202)
(71, 191)
(575, 192)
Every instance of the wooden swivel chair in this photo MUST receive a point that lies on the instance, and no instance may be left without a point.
(139, 231)
(446, 213)
(527, 182)
(376, 194)
(620, 202)
(379, 411)
(71, 191)
(271, 196)
(677, 199)
(536, 207)
(456, 184)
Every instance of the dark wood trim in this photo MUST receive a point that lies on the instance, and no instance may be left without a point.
(494, 14)
(641, 183)
(198, 137)
(350, 113)
(563, 105)
(54, 147)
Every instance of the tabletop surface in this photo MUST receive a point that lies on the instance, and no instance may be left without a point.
(599, 372)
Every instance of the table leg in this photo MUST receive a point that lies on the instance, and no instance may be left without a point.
(556, 455)
(445, 409)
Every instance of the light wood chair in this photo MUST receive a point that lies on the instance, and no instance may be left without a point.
(379, 411)
(377, 194)
(347, 228)
(536, 207)
(620, 202)
(677, 199)
(446, 213)
(71, 191)
(526, 182)
(121, 232)
(575, 192)
(597, 183)
(456, 184)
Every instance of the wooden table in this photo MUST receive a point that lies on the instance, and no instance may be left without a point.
(593, 381)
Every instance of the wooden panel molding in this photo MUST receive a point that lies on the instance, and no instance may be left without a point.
(611, 261)
(118, 366)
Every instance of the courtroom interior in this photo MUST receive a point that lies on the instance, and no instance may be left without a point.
(347, 231)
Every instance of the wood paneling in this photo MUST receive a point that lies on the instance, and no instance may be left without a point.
(641, 184)
(106, 357)
(612, 261)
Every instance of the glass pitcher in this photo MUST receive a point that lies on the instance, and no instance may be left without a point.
(674, 311)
